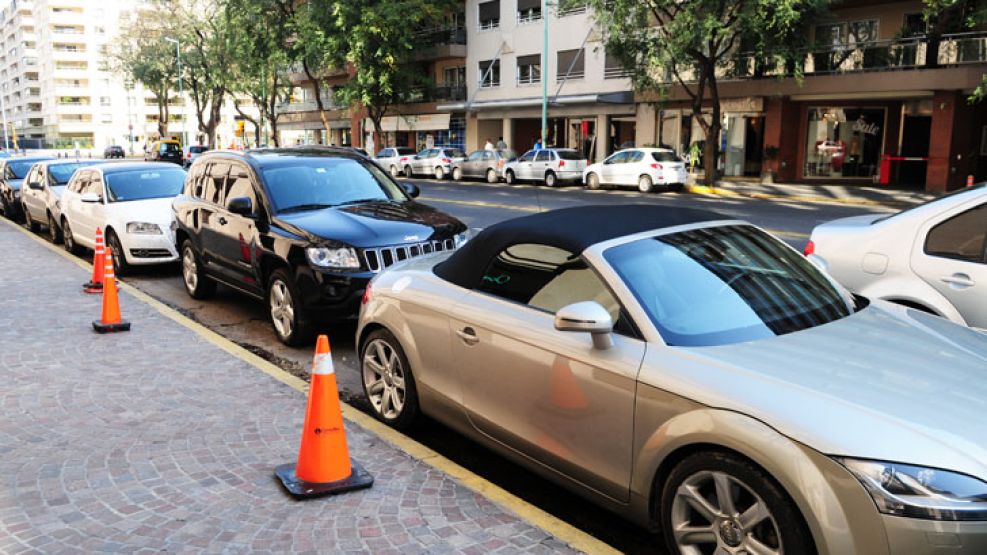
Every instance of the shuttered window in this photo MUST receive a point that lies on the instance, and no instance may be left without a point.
(490, 14)
(574, 58)
(489, 78)
(529, 69)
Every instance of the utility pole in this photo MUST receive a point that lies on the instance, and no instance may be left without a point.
(3, 112)
(181, 85)
(544, 74)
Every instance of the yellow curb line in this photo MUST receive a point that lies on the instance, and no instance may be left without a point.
(720, 192)
(523, 208)
(575, 538)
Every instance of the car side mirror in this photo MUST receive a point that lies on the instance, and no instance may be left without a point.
(590, 317)
(90, 197)
(241, 206)
(410, 188)
(36, 185)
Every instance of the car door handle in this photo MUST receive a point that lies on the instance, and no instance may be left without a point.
(221, 220)
(961, 280)
(468, 335)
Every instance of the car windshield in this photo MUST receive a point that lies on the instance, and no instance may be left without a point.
(319, 182)
(19, 169)
(60, 173)
(144, 184)
(197, 149)
(570, 155)
(663, 156)
(726, 284)
(169, 148)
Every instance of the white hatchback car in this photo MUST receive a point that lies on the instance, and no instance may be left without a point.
(932, 257)
(131, 202)
(394, 158)
(640, 167)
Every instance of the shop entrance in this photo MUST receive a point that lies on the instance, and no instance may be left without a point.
(744, 145)
(916, 134)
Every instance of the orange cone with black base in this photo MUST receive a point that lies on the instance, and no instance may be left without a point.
(111, 320)
(95, 284)
(324, 466)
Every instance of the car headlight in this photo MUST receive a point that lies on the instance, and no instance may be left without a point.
(461, 238)
(920, 492)
(144, 228)
(325, 257)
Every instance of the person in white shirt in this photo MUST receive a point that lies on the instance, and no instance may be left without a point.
(489, 145)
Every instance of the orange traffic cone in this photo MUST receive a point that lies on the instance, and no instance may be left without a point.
(95, 284)
(324, 466)
(111, 320)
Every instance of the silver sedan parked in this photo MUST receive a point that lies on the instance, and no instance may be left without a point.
(437, 162)
(695, 375)
(394, 158)
(932, 257)
(486, 164)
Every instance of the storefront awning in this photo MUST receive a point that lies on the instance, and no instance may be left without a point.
(417, 122)
(625, 97)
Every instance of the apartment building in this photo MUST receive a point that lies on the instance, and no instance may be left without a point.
(880, 103)
(589, 97)
(418, 123)
(57, 85)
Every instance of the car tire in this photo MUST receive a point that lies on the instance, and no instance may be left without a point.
(492, 176)
(644, 184)
(593, 182)
(68, 239)
(54, 232)
(440, 173)
(197, 284)
(394, 171)
(408, 172)
(387, 378)
(120, 265)
(457, 174)
(29, 222)
(780, 525)
(285, 309)
(509, 177)
(551, 180)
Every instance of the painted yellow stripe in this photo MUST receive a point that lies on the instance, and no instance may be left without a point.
(575, 538)
(529, 208)
(721, 192)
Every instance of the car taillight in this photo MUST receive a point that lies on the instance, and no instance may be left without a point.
(367, 293)
(561, 163)
(446, 161)
(404, 158)
(500, 163)
(810, 248)
(656, 166)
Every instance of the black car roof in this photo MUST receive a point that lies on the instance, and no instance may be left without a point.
(572, 229)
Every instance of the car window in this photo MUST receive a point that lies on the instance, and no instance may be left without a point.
(527, 156)
(198, 149)
(455, 153)
(32, 175)
(489, 155)
(168, 148)
(618, 158)
(94, 186)
(725, 284)
(386, 153)
(194, 182)
(324, 181)
(545, 278)
(961, 237)
(216, 182)
(635, 156)
(403, 151)
(477, 155)
(544, 156)
(17, 169)
(59, 174)
(506, 154)
(79, 182)
(122, 186)
(663, 156)
(569, 154)
(239, 187)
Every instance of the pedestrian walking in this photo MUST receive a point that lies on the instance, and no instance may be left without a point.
(537, 144)
(501, 145)
(489, 145)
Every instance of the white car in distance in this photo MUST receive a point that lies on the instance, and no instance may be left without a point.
(643, 168)
(932, 257)
(131, 202)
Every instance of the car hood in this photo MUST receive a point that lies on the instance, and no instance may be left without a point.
(887, 383)
(154, 210)
(373, 224)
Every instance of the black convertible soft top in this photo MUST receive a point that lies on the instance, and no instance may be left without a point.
(571, 229)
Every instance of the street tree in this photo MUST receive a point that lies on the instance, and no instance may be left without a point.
(376, 40)
(142, 55)
(953, 16)
(262, 42)
(690, 43)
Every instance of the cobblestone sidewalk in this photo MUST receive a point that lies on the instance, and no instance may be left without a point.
(158, 441)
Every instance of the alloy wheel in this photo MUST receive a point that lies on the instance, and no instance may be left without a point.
(282, 309)
(384, 379)
(394, 171)
(714, 512)
(190, 271)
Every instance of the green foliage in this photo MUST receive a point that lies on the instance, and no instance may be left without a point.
(956, 16)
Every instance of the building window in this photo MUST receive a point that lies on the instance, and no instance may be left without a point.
(529, 69)
(104, 101)
(106, 118)
(844, 142)
(528, 10)
(613, 68)
(571, 64)
(454, 76)
(572, 9)
(489, 73)
(490, 15)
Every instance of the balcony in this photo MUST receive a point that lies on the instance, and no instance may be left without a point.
(441, 93)
(306, 106)
(437, 43)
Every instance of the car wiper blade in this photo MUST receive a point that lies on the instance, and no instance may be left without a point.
(302, 207)
(362, 200)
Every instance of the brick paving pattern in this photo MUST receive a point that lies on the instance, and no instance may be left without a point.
(156, 441)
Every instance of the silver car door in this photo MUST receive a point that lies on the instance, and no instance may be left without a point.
(610, 169)
(542, 160)
(32, 193)
(545, 393)
(950, 254)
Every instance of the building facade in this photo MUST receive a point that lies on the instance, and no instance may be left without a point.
(58, 87)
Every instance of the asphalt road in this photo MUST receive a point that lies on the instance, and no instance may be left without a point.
(479, 205)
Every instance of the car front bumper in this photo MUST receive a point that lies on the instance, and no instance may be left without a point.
(146, 249)
(911, 536)
(331, 295)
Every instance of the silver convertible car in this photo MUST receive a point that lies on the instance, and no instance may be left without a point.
(695, 375)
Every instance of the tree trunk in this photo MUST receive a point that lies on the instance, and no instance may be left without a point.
(163, 115)
(317, 88)
(713, 136)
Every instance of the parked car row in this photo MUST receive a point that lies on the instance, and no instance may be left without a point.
(643, 168)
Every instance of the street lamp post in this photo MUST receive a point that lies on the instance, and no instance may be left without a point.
(3, 113)
(181, 86)
(544, 74)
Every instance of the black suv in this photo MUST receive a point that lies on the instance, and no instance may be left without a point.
(304, 228)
